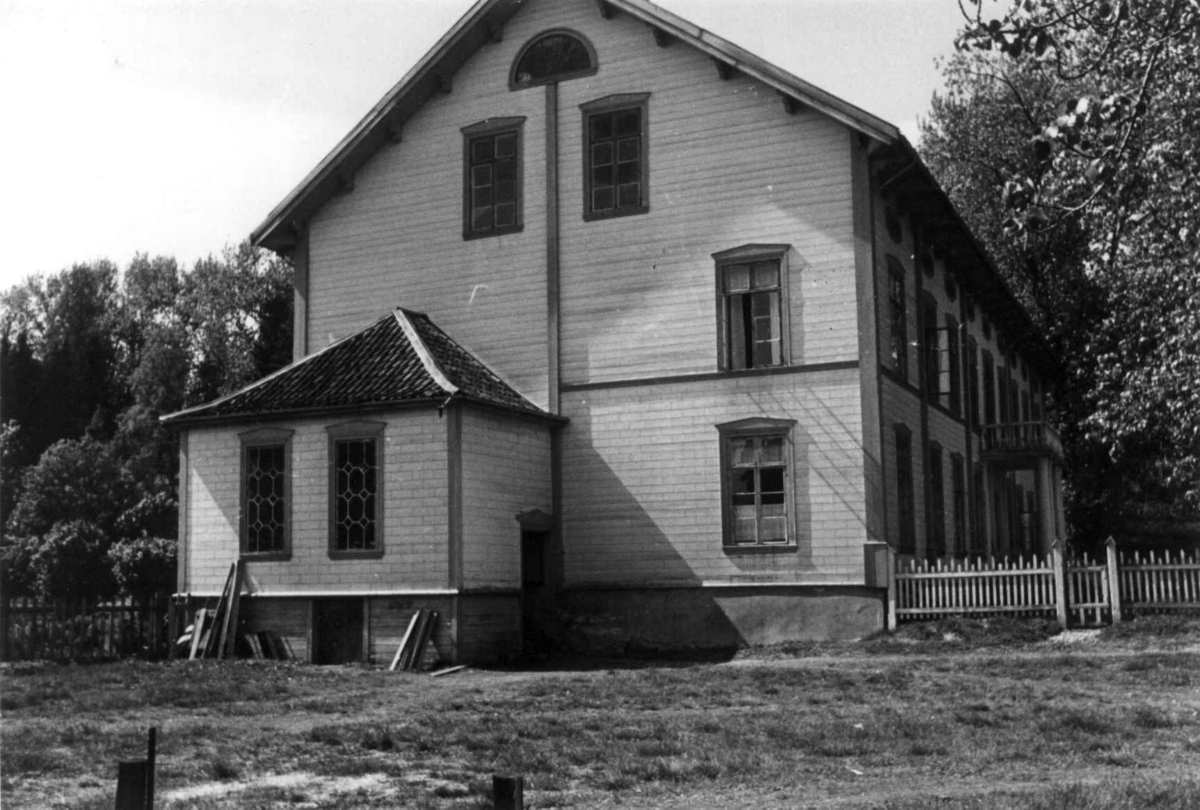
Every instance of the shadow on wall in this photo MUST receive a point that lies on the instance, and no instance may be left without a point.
(639, 592)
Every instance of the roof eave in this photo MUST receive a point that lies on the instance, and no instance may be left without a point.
(215, 420)
(280, 230)
(384, 121)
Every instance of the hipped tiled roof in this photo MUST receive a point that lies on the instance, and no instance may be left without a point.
(400, 360)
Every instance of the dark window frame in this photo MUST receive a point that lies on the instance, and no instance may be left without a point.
(954, 366)
(750, 255)
(935, 502)
(349, 432)
(973, 382)
(256, 439)
(898, 317)
(931, 350)
(493, 129)
(517, 83)
(989, 388)
(614, 105)
(958, 480)
(758, 428)
(905, 491)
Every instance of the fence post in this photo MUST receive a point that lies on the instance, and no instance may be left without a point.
(891, 588)
(1114, 581)
(1060, 581)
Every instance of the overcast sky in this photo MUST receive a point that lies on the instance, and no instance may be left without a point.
(170, 127)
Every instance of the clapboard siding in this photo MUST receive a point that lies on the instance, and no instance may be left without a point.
(396, 240)
(415, 516)
(727, 166)
(505, 471)
(642, 500)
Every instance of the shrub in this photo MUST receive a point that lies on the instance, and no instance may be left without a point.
(71, 561)
(144, 567)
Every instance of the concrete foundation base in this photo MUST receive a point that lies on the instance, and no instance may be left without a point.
(698, 617)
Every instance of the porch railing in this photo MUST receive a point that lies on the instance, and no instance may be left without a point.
(1022, 437)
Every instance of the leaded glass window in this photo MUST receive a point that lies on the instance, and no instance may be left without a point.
(266, 500)
(356, 476)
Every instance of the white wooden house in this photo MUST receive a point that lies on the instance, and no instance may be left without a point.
(597, 310)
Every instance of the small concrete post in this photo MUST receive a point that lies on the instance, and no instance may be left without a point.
(1060, 581)
(1114, 580)
(508, 792)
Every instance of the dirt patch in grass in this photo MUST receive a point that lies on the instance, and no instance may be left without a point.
(992, 718)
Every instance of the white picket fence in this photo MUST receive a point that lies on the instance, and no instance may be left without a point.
(1077, 591)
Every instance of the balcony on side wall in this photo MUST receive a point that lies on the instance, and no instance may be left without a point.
(1021, 440)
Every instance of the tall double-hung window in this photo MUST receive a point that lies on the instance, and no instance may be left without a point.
(756, 485)
(616, 170)
(752, 307)
(492, 194)
(898, 319)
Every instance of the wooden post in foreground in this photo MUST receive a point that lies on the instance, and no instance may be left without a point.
(135, 780)
(508, 792)
(1114, 582)
(1060, 581)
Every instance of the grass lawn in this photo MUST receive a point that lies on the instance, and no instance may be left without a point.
(953, 715)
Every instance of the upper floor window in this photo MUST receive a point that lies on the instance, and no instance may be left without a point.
(492, 177)
(752, 305)
(356, 490)
(953, 362)
(615, 166)
(756, 464)
(973, 381)
(266, 493)
(931, 348)
(553, 56)
(898, 318)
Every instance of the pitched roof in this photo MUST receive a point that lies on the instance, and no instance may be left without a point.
(400, 360)
(481, 24)
(892, 154)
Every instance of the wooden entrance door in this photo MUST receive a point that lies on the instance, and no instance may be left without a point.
(535, 593)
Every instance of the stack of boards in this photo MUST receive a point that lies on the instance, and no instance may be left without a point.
(416, 653)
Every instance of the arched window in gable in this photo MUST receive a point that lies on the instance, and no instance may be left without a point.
(553, 56)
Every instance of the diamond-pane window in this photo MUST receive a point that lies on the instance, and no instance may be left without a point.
(356, 476)
(265, 499)
(266, 493)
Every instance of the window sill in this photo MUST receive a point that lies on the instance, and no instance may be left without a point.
(782, 548)
(274, 556)
(470, 236)
(591, 216)
(356, 555)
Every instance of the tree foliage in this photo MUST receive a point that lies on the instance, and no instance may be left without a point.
(1067, 135)
(89, 360)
